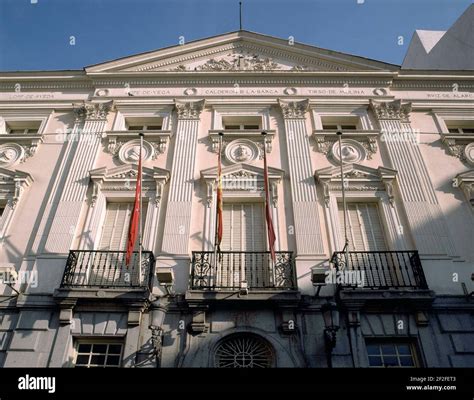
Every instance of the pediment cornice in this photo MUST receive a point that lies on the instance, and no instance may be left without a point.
(256, 52)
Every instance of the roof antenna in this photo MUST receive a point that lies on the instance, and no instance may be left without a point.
(240, 14)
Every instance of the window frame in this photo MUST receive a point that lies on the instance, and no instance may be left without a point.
(144, 127)
(102, 340)
(25, 123)
(339, 127)
(383, 223)
(411, 342)
(378, 186)
(110, 185)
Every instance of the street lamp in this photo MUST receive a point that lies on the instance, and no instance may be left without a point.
(331, 322)
(157, 316)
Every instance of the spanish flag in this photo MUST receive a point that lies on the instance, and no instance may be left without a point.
(135, 218)
(268, 211)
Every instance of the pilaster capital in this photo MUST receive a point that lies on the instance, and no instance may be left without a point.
(293, 109)
(189, 110)
(391, 110)
(92, 111)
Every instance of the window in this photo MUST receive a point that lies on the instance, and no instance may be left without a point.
(245, 236)
(244, 227)
(242, 123)
(460, 127)
(2, 208)
(22, 128)
(115, 227)
(340, 123)
(144, 124)
(364, 227)
(391, 354)
(461, 130)
(244, 351)
(100, 354)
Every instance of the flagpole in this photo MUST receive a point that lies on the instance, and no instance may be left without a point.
(343, 189)
(216, 236)
(140, 213)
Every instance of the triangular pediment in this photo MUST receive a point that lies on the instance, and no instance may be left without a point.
(242, 170)
(127, 172)
(355, 171)
(239, 51)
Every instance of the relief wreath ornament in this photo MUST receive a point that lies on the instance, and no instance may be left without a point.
(241, 150)
(10, 154)
(129, 151)
(350, 151)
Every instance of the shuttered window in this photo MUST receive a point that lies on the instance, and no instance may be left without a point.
(244, 227)
(244, 234)
(364, 227)
(116, 224)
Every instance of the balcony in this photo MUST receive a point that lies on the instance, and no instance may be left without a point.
(107, 270)
(381, 269)
(364, 276)
(103, 276)
(243, 275)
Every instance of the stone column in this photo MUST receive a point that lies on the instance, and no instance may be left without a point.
(425, 218)
(309, 240)
(178, 212)
(85, 146)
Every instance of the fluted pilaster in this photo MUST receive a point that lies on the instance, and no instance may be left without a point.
(91, 120)
(303, 187)
(178, 212)
(426, 220)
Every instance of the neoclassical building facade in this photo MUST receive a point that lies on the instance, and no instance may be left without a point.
(402, 289)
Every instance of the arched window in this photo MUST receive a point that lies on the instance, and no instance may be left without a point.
(244, 351)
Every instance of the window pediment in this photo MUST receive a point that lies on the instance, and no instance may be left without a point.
(242, 178)
(356, 178)
(123, 179)
(12, 185)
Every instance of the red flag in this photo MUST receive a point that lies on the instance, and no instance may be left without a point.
(220, 227)
(135, 218)
(268, 212)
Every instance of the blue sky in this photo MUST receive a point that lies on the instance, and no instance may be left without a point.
(38, 36)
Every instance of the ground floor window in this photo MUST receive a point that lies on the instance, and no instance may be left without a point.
(391, 354)
(98, 354)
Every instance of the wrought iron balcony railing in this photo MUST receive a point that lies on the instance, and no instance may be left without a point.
(107, 269)
(379, 269)
(234, 269)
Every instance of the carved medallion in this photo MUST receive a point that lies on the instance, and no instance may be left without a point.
(129, 152)
(351, 151)
(469, 153)
(241, 150)
(10, 154)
